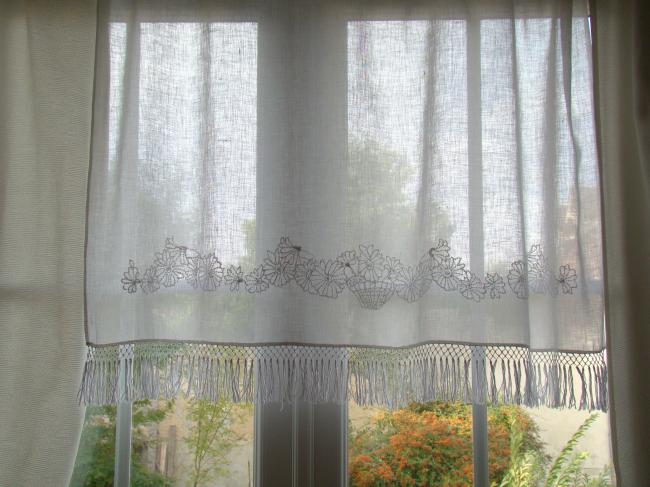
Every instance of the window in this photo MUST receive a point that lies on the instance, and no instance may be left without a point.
(185, 442)
(361, 121)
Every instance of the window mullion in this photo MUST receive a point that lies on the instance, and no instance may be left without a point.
(477, 257)
(122, 475)
(343, 443)
(301, 141)
(479, 421)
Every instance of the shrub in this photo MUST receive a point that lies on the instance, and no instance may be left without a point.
(431, 444)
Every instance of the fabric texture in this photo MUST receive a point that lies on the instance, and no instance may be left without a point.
(415, 186)
(46, 54)
(623, 92)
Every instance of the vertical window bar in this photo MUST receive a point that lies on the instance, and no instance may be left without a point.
(343, 425)
(302, 445)
(257, 431)
(479, 421)
(477, 257)
(122, 472)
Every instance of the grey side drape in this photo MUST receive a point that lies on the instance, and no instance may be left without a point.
(46, 66)
(623, 95)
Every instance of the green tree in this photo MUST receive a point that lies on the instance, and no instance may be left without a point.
(95, 462)
(383, 191)
(211, 437)
(530, 469)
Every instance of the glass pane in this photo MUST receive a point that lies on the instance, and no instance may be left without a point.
(424, 444)
(194, 82)
(430, 444)
(95, 462)
(536, 441)
(395, 147)
(190, 442)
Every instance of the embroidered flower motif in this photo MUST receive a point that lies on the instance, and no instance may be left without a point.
(411, 283)
(517, 279)
(255, 281)
(181, 254)
(535, 253)
(292, 254)
(367, 273)
(568, 280)
(131, 278)
(185, 255)
(288, 251)
(167, 268)
(150, 282)
(540, 279)
(204, 272)
(471, 287)
(304, 275)
(192, 270)
(210, 272)
(328, 278)
(234, 277)
(177, 252)
(276, 270)
(440, 252)
(494, 285)
(448, 273)
(371, 262)
(392, 266)
(350, 263)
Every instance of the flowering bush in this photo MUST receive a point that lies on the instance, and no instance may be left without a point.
(431, 445)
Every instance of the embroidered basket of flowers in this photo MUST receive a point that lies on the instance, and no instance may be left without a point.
(368, 276)
(371, 294)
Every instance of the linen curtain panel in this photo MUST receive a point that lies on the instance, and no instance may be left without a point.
(389, 201)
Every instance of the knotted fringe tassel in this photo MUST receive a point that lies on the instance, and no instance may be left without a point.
(369, 376)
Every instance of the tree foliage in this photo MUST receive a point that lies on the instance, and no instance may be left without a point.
(211, 437)
(384, 192)
(529, 469)
(95, 462)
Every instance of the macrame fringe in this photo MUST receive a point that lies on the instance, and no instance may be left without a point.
(369, 376)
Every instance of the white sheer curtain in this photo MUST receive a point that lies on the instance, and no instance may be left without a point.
(334, 197)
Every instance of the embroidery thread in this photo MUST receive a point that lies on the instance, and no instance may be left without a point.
(371, 276)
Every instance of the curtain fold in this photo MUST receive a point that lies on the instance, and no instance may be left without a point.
(318, 199)
(46, 54)
(623, 84)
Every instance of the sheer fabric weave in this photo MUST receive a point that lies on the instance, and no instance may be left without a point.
(395, 201)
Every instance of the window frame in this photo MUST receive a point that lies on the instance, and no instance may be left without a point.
(302, 444)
